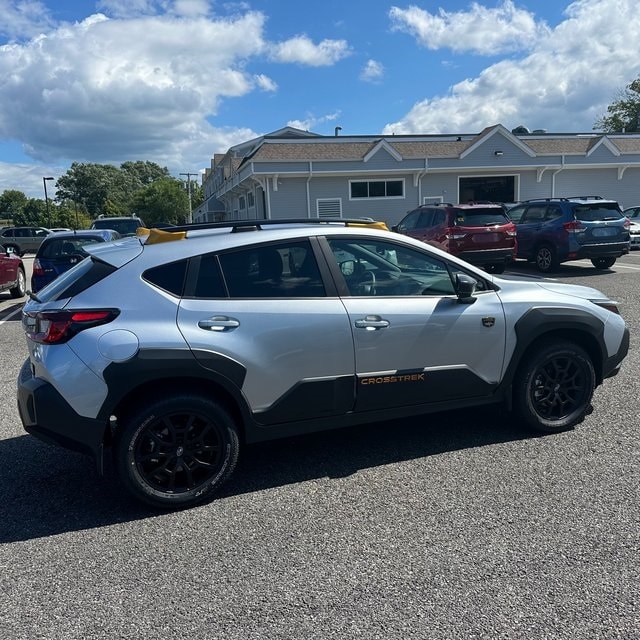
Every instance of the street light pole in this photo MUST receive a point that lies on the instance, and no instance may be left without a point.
(190, 220)
(46, 200)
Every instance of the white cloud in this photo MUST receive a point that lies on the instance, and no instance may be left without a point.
(265, 83)
(23, 20)
(311, 122)
(131, 87)
(481, 30)
(302, 50)
(572, 74)
(373, 71)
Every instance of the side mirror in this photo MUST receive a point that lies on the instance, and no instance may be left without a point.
(465, 288)
(395, 228)
(8, 250)
(348, 267)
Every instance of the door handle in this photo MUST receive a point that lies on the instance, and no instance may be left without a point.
(219, 323)
(372, 323)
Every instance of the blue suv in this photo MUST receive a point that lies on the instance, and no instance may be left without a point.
(555, 230)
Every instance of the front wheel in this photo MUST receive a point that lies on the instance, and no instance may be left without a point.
(603, 263)
(176, 452)
(20, 289)
(554, 386)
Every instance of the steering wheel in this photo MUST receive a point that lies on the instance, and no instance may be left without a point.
(366, 284)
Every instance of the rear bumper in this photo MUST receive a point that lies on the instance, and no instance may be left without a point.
(488, 256)
(46, 415)
(612, 249)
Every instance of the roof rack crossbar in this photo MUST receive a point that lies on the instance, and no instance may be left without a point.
(258, 224)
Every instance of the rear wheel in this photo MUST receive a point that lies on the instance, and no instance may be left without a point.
(603, 263)
(554, 386)
(176, 452)
(546, 259)
(20, 289)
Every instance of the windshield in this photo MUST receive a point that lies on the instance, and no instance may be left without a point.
(123, 227)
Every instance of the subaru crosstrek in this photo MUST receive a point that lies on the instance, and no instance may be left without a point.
(170, 354)
(481, 234)
(555, 230)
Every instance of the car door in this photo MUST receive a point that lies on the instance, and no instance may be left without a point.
(8, 269)
(415, 342)
(266, 308)
(529, 220)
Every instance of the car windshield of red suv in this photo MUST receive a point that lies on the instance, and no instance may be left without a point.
(480, 217)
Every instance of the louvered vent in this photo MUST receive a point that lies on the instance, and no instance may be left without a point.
(329, 207)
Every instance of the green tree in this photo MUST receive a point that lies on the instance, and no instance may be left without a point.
(34, 214)
(623, 113)
(12, 204)
(163, 200)
(144, 172)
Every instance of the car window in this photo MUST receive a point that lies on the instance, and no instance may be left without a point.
(480, 217)
(380, 268)
(283, 270)
(169, 277)
(553, 212)
(515, 213)
(410, 221)
(535, 213)
(597, 211)
(61, 247)
(439, 218)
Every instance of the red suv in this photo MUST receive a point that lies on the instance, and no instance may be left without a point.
(12, 275)
(481, 234)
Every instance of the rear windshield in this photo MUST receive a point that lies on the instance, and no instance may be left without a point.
(598, 211)
(123, 227)
(61, 247)
(76, 280)
(480, 217)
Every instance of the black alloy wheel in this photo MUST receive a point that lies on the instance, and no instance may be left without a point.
(545, 259)
(554, 387)
(176, 452)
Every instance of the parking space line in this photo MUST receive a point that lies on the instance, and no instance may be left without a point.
(8, 317)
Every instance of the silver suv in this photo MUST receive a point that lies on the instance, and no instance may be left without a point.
(23, 239)
(173, 350)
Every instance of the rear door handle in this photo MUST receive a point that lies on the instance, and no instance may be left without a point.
(219, 323)
(372, 323)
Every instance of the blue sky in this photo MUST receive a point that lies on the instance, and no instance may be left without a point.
(176, 81)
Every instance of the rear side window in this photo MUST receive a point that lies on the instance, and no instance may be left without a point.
(597, 211)
(480, 217)
(169, 277)
(84, 275)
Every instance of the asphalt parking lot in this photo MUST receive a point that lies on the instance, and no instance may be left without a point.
(461, 525)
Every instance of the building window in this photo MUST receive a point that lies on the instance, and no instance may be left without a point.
(376, 189)
(250, 200)
(241, 203)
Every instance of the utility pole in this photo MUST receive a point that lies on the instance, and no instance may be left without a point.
(190, 219)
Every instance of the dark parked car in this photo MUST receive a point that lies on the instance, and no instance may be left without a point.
(124, 225)
(62, 250)
(23, 239)
(555, 230)
(12, 274)
(481, 234)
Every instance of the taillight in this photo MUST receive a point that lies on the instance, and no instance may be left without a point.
(37, 268)
(511, 230)
(575, 226)
(56, 327)
(627, 224)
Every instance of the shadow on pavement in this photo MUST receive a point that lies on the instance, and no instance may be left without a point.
(46, 490)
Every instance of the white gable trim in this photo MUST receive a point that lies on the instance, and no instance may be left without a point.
(383, 144)
(499, 130)
(604, 141)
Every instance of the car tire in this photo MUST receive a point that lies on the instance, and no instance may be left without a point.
(177, 451)
(546, 258)
(21, 285)
(554, 386)
(603, 263)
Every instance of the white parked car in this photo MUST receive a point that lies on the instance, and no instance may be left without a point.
(633, 213)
